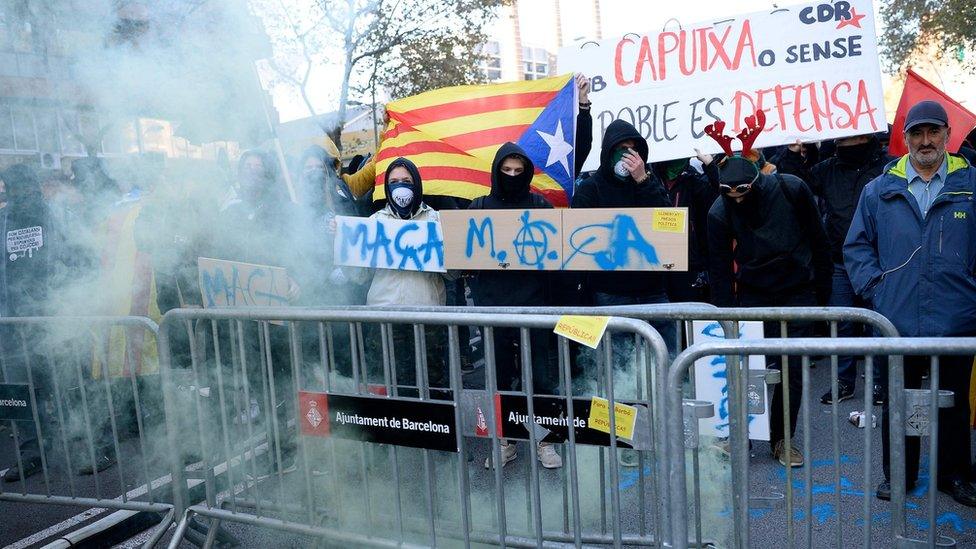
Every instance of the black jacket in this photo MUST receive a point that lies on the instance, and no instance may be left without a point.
(604, 190)
(780, 243)
(584, 139)
(838, 184)
(692, 190)
(31, 246)
(519, 288)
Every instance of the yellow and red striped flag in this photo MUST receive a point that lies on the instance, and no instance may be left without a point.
(452, 135)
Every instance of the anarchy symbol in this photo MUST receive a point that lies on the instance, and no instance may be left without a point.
(532, 242)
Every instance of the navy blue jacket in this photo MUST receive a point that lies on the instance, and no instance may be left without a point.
(918, 272)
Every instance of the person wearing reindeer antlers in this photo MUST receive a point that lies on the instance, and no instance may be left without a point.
(769, 226)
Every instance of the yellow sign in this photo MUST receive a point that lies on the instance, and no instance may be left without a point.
(670, 220)
(587, 330)
(624, 417)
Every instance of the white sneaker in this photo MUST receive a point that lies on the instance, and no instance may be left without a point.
(548, 456)
(508, 452)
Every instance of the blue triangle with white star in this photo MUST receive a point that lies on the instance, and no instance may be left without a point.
(551, 140)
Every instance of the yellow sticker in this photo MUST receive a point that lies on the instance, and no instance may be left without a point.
(624, 417)
(670, 220)
(587, 330)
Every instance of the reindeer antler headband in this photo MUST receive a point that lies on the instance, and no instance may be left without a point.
(754, 126)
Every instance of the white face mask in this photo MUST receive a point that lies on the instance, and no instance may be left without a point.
(621, 169)
(402, 196)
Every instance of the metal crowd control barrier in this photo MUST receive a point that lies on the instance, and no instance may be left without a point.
(869, 348)
(400, 465)
(682, 314)
(67, 413)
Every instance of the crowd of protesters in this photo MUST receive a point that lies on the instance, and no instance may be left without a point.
(836, 223)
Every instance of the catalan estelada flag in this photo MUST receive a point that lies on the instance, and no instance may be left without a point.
(452, 135)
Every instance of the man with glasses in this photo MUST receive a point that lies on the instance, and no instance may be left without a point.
(911, 253)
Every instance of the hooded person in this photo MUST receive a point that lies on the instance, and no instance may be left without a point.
(392, 287)
(623, 181)
(324, 195)
(769, 225)
(511, 178)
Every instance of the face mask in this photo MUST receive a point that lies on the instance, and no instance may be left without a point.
(854, 155)
(673, 168)
(511, 186)
(619, 168)
(401, 200)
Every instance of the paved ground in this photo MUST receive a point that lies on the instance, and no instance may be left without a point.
(348, 507)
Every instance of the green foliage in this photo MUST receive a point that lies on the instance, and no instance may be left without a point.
(922, 28)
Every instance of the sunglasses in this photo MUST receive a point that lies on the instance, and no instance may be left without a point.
(741, 188)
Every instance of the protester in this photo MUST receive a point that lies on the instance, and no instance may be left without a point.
(511, 177)
(690, 189)
(909, 253)
(389, 287)
(837, 182)
(28, 273)
(768, 225)
(623, 181)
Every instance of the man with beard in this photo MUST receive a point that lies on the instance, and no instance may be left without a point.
(910, 253)
(511, 177)
(768, 224)
(838, 182)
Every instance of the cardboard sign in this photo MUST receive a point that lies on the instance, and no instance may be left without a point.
(552, 420)
(381, 243)
(400, 422)
(587, 330)
(602, 239)
(15, 402)
(234, 284)
(711, 380)
(624, 417)
(813, 68)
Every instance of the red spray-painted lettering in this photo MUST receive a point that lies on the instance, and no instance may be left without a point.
(694, 50)
(809, 106)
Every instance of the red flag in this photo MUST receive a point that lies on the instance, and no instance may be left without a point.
(961, 120)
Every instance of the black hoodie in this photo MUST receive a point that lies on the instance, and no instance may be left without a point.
(838, 183)
(604, 190)
(518, 288)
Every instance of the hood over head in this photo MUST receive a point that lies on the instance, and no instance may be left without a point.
(315, 182)
(396, 194)
(617, 132)
(511, 188)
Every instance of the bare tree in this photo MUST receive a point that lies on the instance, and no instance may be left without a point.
(372, 41)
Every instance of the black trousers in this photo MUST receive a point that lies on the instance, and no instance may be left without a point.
(799, 298)
(954, 450)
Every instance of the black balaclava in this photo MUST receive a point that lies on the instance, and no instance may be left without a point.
(858, 155)
(404, 208)
(511, 188)
(262, 185)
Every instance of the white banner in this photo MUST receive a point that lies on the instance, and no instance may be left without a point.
(812, 68)
(404, 245)
(711, 382)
